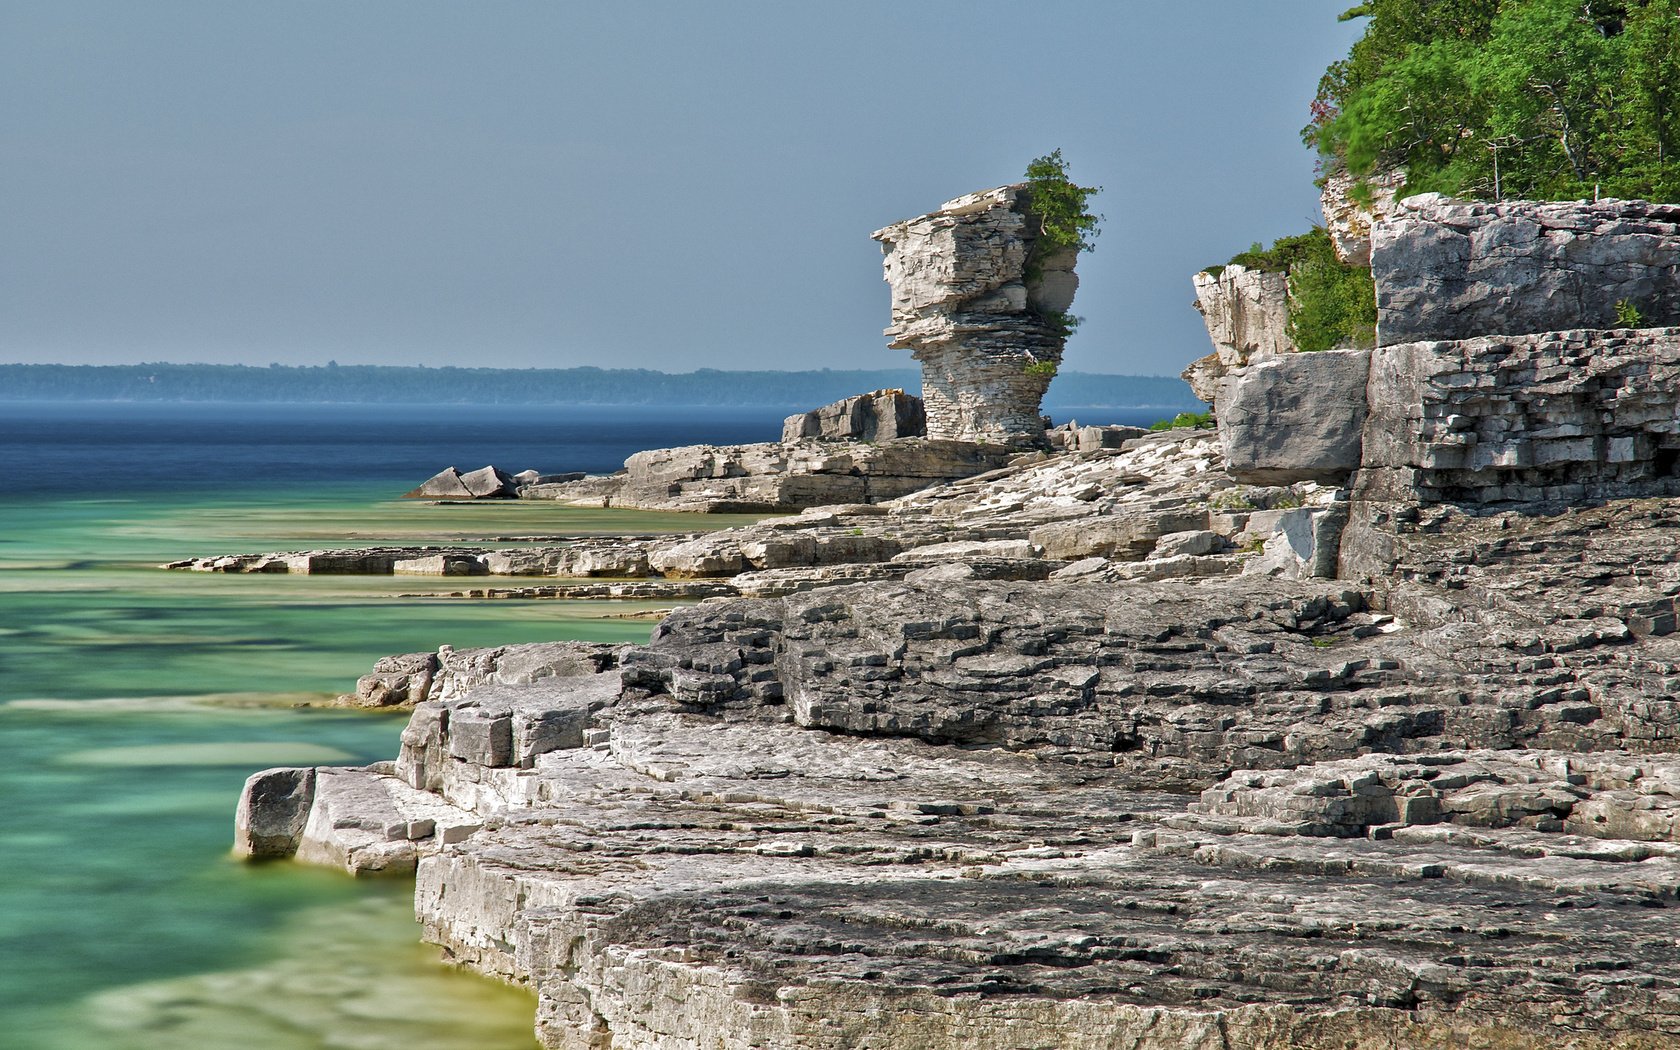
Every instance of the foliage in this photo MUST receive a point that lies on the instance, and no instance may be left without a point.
(1548, 99)
(1045, 369)
(1063, 323)
(1185, 421)
(1628, 314)
(1331, 304)
(1284, 253)
(1065, 221)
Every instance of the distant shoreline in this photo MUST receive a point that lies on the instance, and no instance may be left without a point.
(585, 386)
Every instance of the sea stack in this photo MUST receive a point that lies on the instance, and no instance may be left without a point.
(983, 312)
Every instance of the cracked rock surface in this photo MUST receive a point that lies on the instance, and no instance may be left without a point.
(1423, 810)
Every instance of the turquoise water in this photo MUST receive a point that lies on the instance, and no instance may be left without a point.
(134, 702)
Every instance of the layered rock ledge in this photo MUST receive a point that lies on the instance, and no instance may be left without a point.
(1354, 725)
(962, 812)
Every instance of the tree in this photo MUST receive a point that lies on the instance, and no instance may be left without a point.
(1065, 221)
(1551, 99)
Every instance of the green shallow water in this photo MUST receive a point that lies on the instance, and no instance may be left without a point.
(133, 704)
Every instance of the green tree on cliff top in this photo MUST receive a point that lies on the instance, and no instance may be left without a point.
(1548, 99)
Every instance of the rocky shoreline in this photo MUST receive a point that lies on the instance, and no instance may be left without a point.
(1355, 723)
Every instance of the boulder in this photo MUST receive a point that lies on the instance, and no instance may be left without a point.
(880, 416)
(396, 681)
(487, 483)
(1294, 418)
(483, 483)
(445, 484)
(272, 810)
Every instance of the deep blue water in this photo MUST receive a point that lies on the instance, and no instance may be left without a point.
(121, 448)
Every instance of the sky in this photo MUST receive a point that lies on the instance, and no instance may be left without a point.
(624, 183)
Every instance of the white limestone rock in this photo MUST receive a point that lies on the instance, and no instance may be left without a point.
(966, 306)
(1350, 221)
(1449, 269)
(1295, 418)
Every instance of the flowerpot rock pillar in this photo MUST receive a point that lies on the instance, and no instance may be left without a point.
(981, 312)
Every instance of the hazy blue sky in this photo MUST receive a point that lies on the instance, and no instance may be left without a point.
(653, 184)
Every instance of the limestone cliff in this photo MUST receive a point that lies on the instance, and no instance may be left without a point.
(1458, 270)
(1247, 317)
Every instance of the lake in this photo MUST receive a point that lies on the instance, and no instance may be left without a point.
(134, 702)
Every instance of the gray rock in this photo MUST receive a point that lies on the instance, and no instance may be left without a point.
(487, 483)
(964, 305)
(1072, 437)
(272, 810)
(1350, 221)
(367, 822)
(1195, 542)
(1453, 270)
(1558, 417)
(397, 681)
(774, 476)
(438, 565)
(445, 484)
(883, 415)
(451, 484)
(1295, 418)
(1246, 312)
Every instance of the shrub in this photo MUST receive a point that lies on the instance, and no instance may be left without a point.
(1331, 304)
(1628, 315)
(1185, 421)
(1284, 253)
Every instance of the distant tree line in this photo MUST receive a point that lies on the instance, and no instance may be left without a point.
(375, 384)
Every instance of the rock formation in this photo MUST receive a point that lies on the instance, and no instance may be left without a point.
(1246, 311)
(1295, 418)
(979, 310)
(776, 476)
(1353, 725)
(942, 813)
(884, 415)
(1247, 317)
(1349, 219)
(451, 484)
